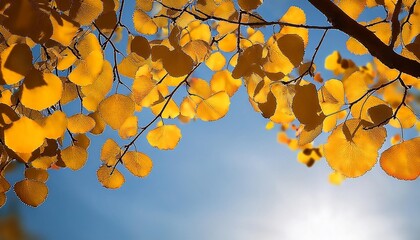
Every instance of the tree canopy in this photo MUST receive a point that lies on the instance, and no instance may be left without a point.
(71, 69)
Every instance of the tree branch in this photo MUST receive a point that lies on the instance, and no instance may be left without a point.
(340, 20)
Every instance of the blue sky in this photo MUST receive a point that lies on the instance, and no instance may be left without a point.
(228, 179)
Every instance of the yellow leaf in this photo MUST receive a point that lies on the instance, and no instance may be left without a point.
(110, 152)
(216, 61)
(214, 107)
(4, 185)
(31, 192)
(187, 107)
(309, 156)
(87, 70)
(308, 135)
(402, 160)
(15, 63)
(139, 164)
(165, 137)
(171, 109)
(128, 128)
(88, 44)
(81, 140)
(74, 157)
(405, 118)
(39, 175)
(356, 47)
(85, 11)
(198, 50)
(223, 81)
(353, 8)
(143, 23)
(109, 177)
(64, 29)
(41, 90)
(44, 162)
(24, 136)
(55, 125)
(297, 16)
(196, 30)
(80, 123)
(115, 109)
(351, 150)
(99, 123)
(199, 87)
(228, 43)
(292, 46)
(336, 178)
(249, 5)
(333, 63)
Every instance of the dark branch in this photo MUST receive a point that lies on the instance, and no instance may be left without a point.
(376, 47)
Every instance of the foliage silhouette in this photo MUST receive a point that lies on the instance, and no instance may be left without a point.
(62, 51)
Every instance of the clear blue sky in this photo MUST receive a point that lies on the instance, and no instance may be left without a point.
(228, 179)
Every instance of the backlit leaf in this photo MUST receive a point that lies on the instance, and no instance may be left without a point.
(74, 157)
(402, 160)
(249, 5)
(143, 23)
(16, 61)
(109, 177)
(39, 175)
(128, 128)
(165, 137)
(24, 136)
(115, 109)
(139, 164)
(351, 150)
(216, 61)
(110, 152)
(80, 123)
(214, 107)
(31, 192)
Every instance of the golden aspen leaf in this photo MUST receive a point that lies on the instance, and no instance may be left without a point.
(196, 30)
(353, 8)
(225, 9)
(89, 43)
(216, 61)
(110, 152)
(39, 175)
(81, 140)
(306, 106)
(249, 5)
(15, 63)
(402, 160)
(175, 3)
(145, 5)
(268, 108)
(128, 128)
(199, 87)
(296, 16)
(333, 63)
(64, 29)
(405, 118)
(69, 93)
(130, 65)
(4, 185)
(80, 123)
(352, 150)
(165, 137)
(31, 192)
(6, 97)
(214, 107)
(182, 66)
(331, 96)
(109, 177)
(198, 50)
(228, 43)
(41, 90)
(115, 109)
(292, 46)
(87, 70)
(336, 178)
(44, 162)
(142, 87)
(309, 156)
(248, 61)
(223, 81)
(308, 135)
(356, 47)
(74, 157)
(276, 61)
(355, 86)
(139, 164)
(143, 23)
(55, 125)
(284, 96)
(85, 11)
(187, 107)
(171, 109)
(99, 123)
(24, 136)
(140, 45)
(270, 125)
(380, 114)
(67, 59)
